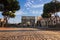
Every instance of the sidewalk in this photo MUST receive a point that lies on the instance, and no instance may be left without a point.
(50, 29)
(3, 28)
(29, 29)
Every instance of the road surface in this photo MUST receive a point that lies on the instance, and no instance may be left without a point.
(29, 34)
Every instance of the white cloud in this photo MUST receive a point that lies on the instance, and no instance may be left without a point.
(58, 13)
(36, 12)
(28, 3)
(17, 19)
(0, 12)
(58, 0)
(33, 4)
(20, 12)
(37, 6)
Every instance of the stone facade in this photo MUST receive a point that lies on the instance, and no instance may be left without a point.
(28, 20)
(46, 22)
(2, 21)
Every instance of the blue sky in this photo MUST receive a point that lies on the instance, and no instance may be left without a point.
(28, 8)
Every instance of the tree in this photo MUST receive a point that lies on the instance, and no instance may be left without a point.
(51, 8)
(46, 15)
(8, 8)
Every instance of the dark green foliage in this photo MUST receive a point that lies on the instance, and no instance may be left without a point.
(10, 5)
(50, 8)
(46, 15)
(8, 14)
(8, 8)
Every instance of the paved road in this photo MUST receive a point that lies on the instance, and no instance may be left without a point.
(30, 35)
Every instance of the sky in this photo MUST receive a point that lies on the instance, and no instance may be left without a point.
(28, 8)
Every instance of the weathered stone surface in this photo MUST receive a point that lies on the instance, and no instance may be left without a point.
(30, 35)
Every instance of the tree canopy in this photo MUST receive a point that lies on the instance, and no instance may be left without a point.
(8, 14)
(46, 15)
(8, 8)
(51, 8)
(9, 5)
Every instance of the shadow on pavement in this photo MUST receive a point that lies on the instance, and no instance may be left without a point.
(49, 29)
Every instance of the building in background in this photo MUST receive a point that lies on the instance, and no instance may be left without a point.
(38, 19)
(48, 22)
(28, 20)
(2, 21)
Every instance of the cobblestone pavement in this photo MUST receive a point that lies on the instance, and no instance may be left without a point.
(30, 35)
